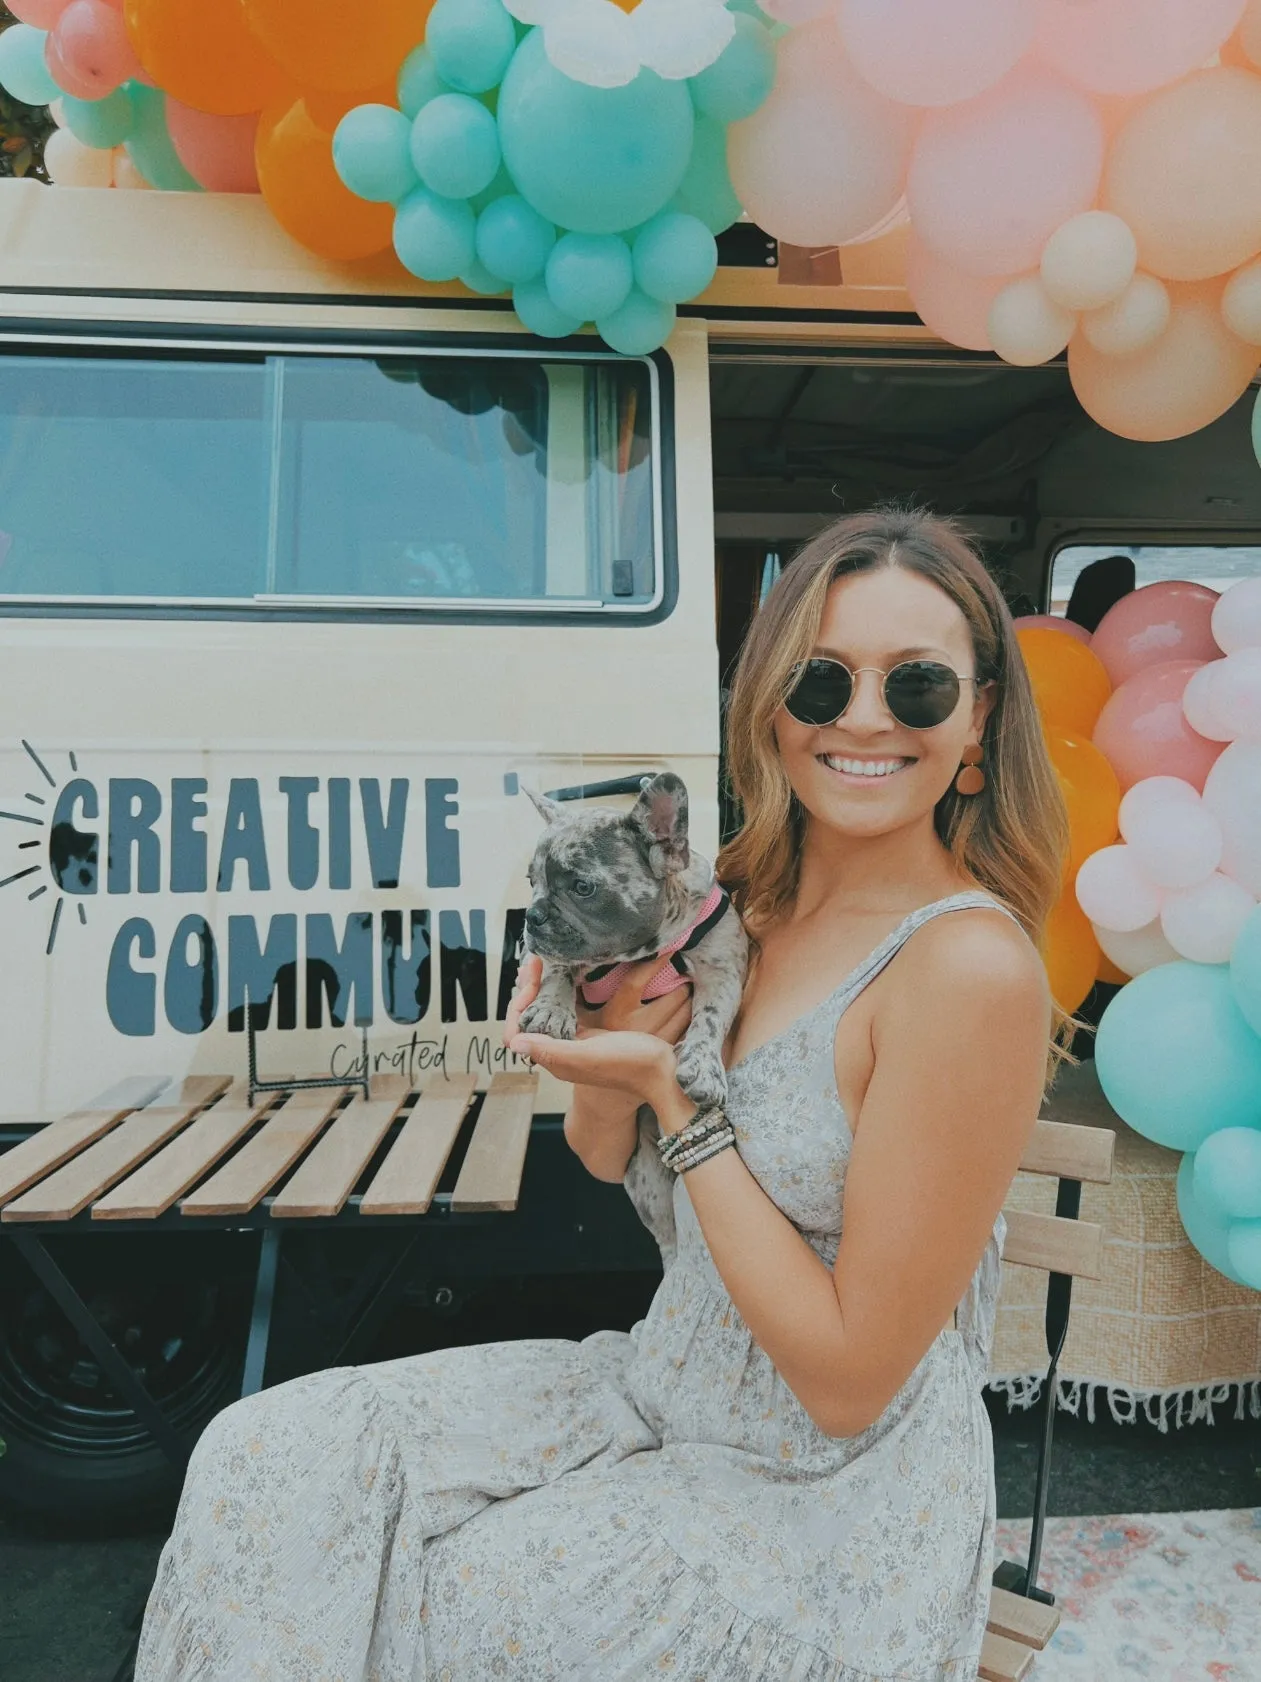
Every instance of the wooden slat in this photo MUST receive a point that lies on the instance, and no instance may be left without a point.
(327, 1177)
(63, 1194)
(273, 1150)
(407, 1179)
(155, 1185)
(1029, 1622)
(490, 1177)
(1003, 1660)
(1052, 1242)
(1071, 1151)
(58, 1141)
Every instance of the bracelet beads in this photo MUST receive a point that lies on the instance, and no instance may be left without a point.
(704, 1136)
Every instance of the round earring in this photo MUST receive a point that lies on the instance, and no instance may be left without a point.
(971, 779)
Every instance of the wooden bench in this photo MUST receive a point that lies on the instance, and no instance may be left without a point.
(1022, 1618)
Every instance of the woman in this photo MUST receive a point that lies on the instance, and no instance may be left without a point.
(785, 1471)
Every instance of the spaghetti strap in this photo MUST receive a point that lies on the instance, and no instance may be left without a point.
(863, 974)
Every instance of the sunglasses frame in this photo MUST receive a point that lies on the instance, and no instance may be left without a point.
(855, 673)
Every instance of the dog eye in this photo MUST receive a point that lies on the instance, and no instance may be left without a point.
(583, 887)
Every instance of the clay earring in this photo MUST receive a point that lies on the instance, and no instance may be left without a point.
(971, 779)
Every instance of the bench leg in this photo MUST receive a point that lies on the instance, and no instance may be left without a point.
(261, 1312)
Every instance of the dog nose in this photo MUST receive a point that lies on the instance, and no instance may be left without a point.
(536, 915)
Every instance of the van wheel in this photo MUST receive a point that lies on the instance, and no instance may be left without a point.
(76, 1456)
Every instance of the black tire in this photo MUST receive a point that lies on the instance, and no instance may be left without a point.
(77, 1458)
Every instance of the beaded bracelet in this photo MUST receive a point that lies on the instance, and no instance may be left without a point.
(704, 1136)
(720, 1142)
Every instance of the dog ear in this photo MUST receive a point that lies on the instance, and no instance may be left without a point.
(660, 817)
(548, 810)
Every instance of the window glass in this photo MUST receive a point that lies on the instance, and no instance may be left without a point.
(325, 479)
(1215, 565)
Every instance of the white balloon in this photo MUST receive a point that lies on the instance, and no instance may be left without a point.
(1152, 795)
(1237, 695)
(72, 164)
(1176, 844)
(125, 172)
(1232, 793)
(1131, 322)
(1026, 326)
(1199, 703)
(1089, 260)
(1201, 923)
(1114, 893)
(1236, 619)
(1241, 303)
(1139, 950)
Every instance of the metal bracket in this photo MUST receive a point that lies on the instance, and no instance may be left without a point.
(312, 1083)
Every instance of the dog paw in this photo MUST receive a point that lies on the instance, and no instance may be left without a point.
(557, 1022)
(702, 1077)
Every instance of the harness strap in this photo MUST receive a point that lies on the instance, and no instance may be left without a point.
(598, 985)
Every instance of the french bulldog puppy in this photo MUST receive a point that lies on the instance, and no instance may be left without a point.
(612, 888)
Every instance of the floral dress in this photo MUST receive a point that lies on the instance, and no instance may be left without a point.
(630, 1506)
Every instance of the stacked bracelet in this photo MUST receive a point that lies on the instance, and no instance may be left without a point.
(704, 1136)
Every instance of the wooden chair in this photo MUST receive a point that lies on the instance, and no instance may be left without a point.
(1022, 1617)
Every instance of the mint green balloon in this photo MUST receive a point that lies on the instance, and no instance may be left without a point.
(371, 153)
(593, 160)
(455, 146)
(640, 326)
(1243, 1250)
(536, 311)
(706, 191)
(740, 78)
(1227, 1174)
(675, 257)
(418, 81)
(23, 72)
(1245, 969)
(513, 239)
(99, 122)
(500, 188)
(478, 278)
(470, 43)
(149, 144)
(1209, 1235)
(589, 275)
(433, 236)
(1176, 1059)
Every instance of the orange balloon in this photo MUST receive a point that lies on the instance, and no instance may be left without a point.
(204, 55)
(1069, 682)
(1110, 973)
(294, 154)
(1070, 952)
(327, 44)
(1091, 793)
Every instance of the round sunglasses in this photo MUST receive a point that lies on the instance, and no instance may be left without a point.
(918, 693)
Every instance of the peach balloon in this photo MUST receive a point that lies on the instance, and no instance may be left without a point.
(1248, 36)
(1070, 684)
(1143, 733)
(1131, 322)
(1241, 303)
(956, 305)
(1070, 952)
(1051, 622)
(991, 179)
(205, 55)
(43, 14)
(1170, 620)
(824, 158)
(218, 152)
(1026, 326)
(1132, 46)
(1179, 383)
(304, 192)
(88, 51)
(1185, 173)
(1089, 261)
(922, 52)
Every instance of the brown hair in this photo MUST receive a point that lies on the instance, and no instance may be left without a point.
(1011, 839)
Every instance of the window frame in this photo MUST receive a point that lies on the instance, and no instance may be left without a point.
(209, 344)
(1138, 537)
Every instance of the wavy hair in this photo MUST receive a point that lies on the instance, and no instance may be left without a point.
(1011, 839)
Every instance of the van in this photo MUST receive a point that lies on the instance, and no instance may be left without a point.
(307, 571)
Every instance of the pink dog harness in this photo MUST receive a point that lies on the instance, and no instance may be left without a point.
(598, 985)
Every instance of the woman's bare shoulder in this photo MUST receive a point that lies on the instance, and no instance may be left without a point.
(977, 956)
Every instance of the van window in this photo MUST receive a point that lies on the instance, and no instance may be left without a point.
(1217, 565)
(328, 482)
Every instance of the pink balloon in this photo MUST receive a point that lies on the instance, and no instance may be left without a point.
(1051, 622)
(922, 52)
(1132, 46)
(218, 152)
(42, 14)
(1161, 622)
(1142, 731)
(89, 53)
(992, 179)
(953, 304)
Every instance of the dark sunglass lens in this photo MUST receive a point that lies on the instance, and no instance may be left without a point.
(921, 693)
(821, 692)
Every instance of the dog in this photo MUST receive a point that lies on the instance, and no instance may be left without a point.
(612, 888)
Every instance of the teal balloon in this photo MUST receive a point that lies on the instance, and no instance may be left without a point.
(99, 122)
(23, 72)
(641, 325)
(1245, 969)
(455, 146)
(740, 78)
(418, 81)
(370, 153)
(149, 144)
(433, 236)
(1243, 1250)
(706, 191)
(514, 240)
(589, 275)
(536, 311)
(500, 188)
(675, 257)
(1228, 1174)
(478, 278)
(1209, 1235)
(470, 43)
(594, 160)
(1175, 1058)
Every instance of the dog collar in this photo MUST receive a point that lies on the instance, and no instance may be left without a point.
(598, 985)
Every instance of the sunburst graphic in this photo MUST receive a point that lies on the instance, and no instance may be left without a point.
(66, 849)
